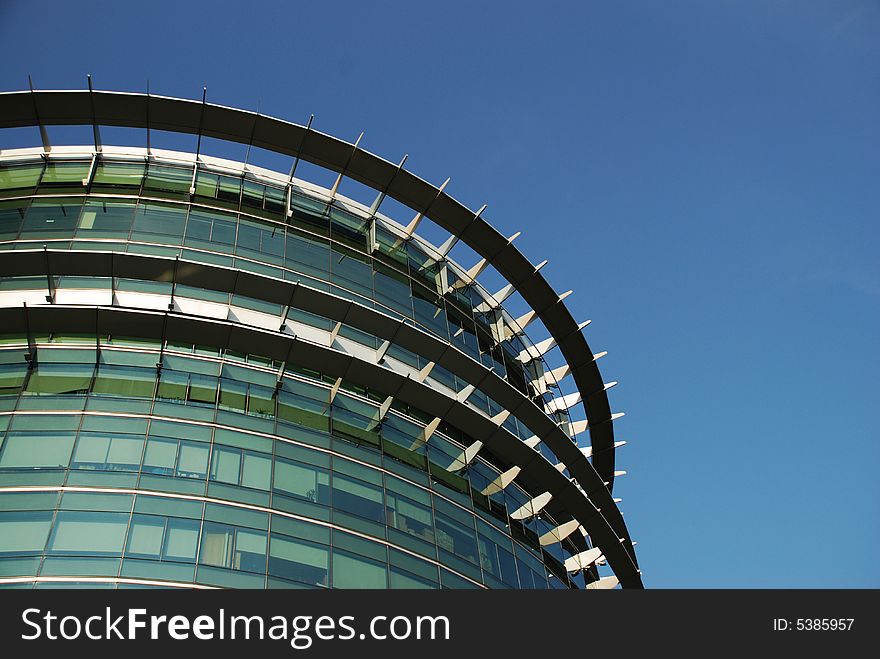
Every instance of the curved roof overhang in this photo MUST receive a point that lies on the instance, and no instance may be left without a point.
(537, 474)
(33, 108)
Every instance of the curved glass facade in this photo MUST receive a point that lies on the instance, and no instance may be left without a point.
(215, 375)
(323, 245)
(161, 459)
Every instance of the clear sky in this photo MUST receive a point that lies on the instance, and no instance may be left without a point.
(705, 175)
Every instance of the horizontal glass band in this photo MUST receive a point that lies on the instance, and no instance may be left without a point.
(241, 542)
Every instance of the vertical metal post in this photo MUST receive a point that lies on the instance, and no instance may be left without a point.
(295, 163)
(44, 135)
(95, 132)
(149, 148)
(192, 185)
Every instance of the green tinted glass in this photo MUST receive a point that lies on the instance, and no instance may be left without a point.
(18, 178)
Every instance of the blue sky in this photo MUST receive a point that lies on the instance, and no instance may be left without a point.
(705, 175)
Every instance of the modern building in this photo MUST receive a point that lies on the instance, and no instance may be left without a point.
(216, 375)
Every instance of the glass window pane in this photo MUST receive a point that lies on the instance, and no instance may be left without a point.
(307, 255)
(358, 498)
(296, 403)
(252, 195)
(261, 401)
(113, 357)
(408, 490)
(106, 219)
(393, 290)
(172, 385)
(181, 538)
(24, 532)
(11, 218)
(405, 580)
(456, 538)
(348, 228)
(276, 200)
(496, 553)
(410, 517)
(240, 374)
(190, 365)
(54, 379)
(65, 173)
(91, 450)
(206, 185)
(114, 425)
(225, 465)
(302, 480)
(51, 219)
(232, 547)
(298, 560)
(127, 381)
(198, 229)
(145, 536)
(216, 546)
(95, 451)
(233, 395)
(159, 223)
(193, 460)
(203, 389)
(165, 506)
(248, 238)
(12, 377)
(428, 307)
(310, 212)
(118, 175)
(250, 550)
(260, 241)
(218, 189)
(237, 516)
(210, 231)
(56, 355)
(352, 271)
(96, 501)
(160, 456)
(36, 450)
(450, 580)
(17, 177)
(173, 180)
(350, 571)
(125, 451)
(256, 471)
(507, 564)
(299, 529)
(89, 533)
